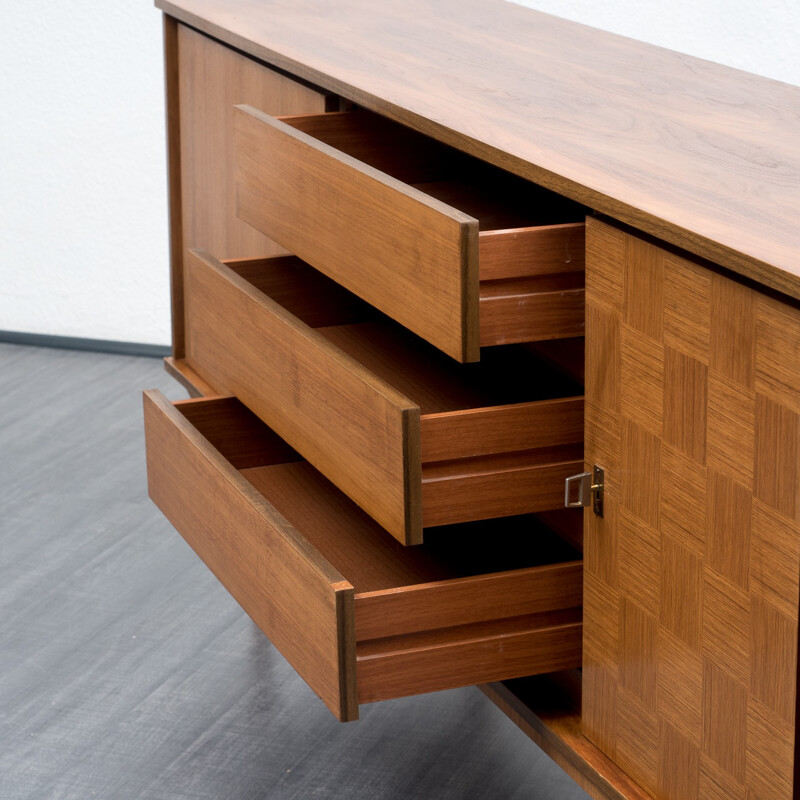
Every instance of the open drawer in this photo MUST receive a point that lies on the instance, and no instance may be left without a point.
(416, 439)
(460, 252)
(360, 617)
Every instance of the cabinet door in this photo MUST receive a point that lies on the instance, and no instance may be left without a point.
(691, 577)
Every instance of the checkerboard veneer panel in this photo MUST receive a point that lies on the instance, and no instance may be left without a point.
(691, 608)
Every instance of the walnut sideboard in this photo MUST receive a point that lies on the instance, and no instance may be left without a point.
(431, 259)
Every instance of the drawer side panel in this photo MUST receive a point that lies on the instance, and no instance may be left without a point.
(297, 599)
(482, 431)
(480, 598)
(543, 250)
(481, 659)
(531, 316)
(459, 495)
(412, 257)
(246, 345)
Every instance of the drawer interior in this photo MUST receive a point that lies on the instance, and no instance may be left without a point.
(507, 208)
(500, 581)
(376, 564)
(510, 401)
(459, 251)
(530, 240)
(359, 548)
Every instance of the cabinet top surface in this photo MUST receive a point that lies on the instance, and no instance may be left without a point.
(703, 156)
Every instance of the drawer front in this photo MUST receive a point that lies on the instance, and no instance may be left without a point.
(326, 391)
(409, 255)
(349, 425)
(300, 602)
(397, 237)
(359, 617)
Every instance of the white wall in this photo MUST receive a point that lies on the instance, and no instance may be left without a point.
(83, 217)
(760, 37)
(83, 233)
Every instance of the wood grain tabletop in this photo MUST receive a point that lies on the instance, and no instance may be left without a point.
(702, 156)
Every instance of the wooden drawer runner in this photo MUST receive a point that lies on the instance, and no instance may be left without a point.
(360, 617)
(414, 438)
(461, 253)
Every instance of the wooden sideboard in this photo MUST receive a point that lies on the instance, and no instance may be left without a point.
(444, 169)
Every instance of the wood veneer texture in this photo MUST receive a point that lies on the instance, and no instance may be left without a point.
(708, 485)
(433, 442)
(515, 68)
(212, 80)
(405, 253)
(173, 117)
(204, 79)
(188, 378)
(294, 595)
(548, 709)
(281, 539)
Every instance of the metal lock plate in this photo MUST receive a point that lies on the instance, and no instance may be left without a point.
(589, 490)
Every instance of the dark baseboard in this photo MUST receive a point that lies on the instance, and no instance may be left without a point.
(90, 345)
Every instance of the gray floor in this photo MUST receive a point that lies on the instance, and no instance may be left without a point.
(126, 671)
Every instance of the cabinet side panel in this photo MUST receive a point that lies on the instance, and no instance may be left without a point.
(213, 79)
(707, 647)
(172, 97)
(204, 80)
